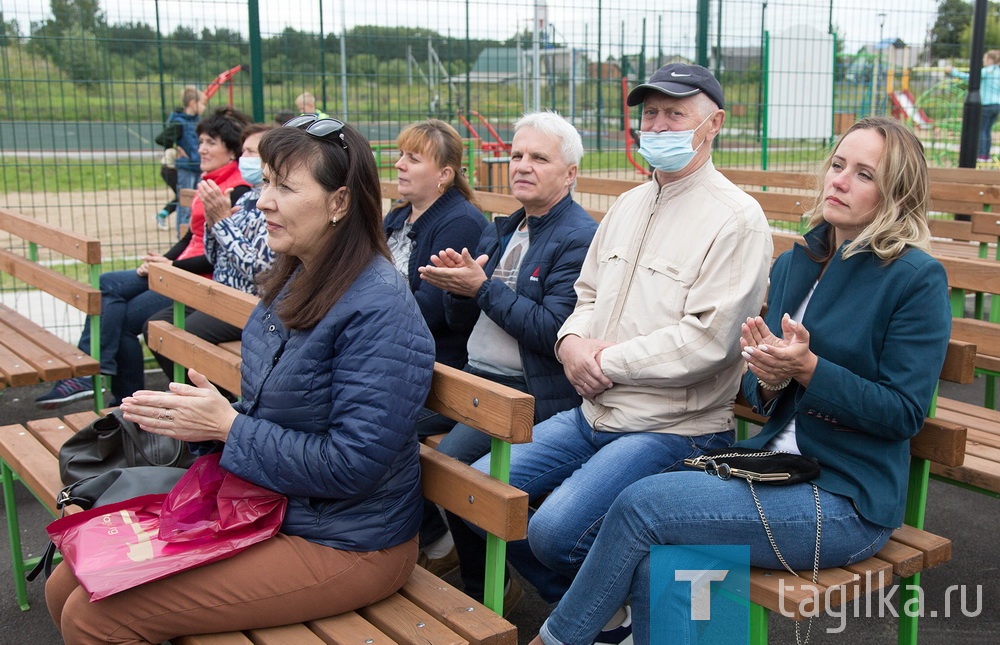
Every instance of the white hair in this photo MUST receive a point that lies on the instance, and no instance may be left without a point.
(551, 123)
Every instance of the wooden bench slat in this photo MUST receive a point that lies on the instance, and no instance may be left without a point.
(488, 503)
(779, 590)
(501, 412)
(976, 471)
(470, 619)
(51, 433)
(984, 335)
(873, 573)
(984, 442)
(935, 548)
(296, 633)
(47, 365)
(940, 441)
(225, 303)
(218, 365)
(349, 629)
(986, 223)
(15, 370)
(905, 560)
(32, 461)
(957, 230)
(405, 622)
(605, 186)
(79, 247)
(228, 638)
(974, 275)
(80, 362)
(70, 291)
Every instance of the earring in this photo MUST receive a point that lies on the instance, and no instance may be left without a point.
(439, 188)
(333, 223)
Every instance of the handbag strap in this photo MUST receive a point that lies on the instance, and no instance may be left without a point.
(770, 538)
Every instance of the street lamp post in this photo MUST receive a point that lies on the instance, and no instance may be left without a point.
(877, 73)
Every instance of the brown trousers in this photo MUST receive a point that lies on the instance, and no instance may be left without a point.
(276, 582)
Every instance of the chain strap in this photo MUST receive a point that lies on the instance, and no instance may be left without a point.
(770, 538)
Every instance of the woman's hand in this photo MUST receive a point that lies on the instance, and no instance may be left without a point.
(187, 412)
(143, 269)
(773, 359)
(217, 202)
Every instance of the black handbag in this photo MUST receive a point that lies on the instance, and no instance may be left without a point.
(115, 485)
(765, 466)
(113, 442)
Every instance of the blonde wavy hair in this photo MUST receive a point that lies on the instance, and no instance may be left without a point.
(904, 190)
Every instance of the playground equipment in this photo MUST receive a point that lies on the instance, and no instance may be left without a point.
(630, 140)
(904, 108)
(225, 78)
(498, 147)
(904, 105)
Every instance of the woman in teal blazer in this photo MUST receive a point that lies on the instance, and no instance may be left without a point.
(845, 363)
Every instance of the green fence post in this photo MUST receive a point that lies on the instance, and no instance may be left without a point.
(256, 61)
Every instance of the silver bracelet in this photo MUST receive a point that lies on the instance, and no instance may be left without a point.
(774, 388)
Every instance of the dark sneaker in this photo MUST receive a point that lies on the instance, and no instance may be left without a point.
(618, 635)
(65, 391)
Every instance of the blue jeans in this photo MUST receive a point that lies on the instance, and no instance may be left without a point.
(185, 179)
(126, 304)
(584, 470)
(986, 120)
(694, 508)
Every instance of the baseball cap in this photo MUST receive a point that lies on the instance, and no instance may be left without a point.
(679, 80)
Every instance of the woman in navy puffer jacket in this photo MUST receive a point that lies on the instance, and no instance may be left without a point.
(337, 363)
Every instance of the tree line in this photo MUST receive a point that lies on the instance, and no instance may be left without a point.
(83, 44)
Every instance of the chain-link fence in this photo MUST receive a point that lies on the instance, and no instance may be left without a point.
(87, 84)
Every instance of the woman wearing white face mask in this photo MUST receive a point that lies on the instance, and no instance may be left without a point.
(235, 244)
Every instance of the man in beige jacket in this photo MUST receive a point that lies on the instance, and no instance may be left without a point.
(653, 343)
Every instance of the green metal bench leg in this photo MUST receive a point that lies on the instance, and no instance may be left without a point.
(742, 429)
(496, 549)
(909, 599)
(18, 565)
(496, 564)
(758, 624)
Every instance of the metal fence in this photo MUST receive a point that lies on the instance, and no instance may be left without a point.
(85, 85)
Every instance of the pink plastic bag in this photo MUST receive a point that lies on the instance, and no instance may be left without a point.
(209, 515)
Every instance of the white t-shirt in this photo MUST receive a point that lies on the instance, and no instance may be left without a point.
(785, 441)
(491, 349)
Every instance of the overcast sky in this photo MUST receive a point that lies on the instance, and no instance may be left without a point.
(575, 20)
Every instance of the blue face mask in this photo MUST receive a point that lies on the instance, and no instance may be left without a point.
(251, 171)
(669, 151)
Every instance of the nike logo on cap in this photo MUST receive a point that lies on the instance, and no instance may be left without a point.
(676, 74)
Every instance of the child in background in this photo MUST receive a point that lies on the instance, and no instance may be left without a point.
(168, 170)
(188, 162)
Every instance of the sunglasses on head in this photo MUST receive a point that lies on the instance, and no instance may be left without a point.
(326, 128)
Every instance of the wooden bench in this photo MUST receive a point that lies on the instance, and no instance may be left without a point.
(29, 353)
(426, 609)
(910, 550)
(956, 195)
